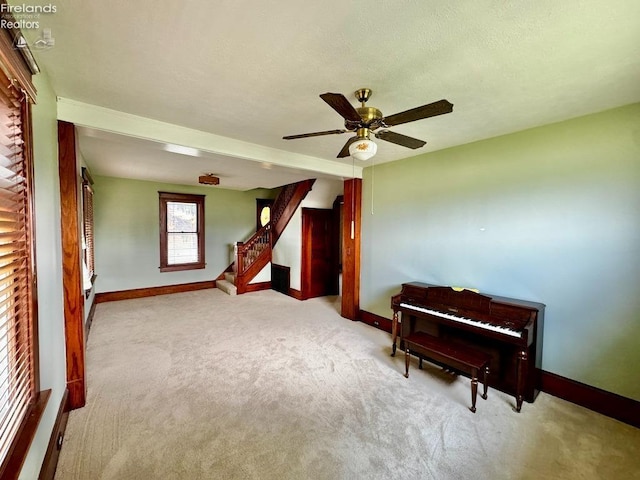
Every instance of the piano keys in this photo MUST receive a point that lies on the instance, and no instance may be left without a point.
(467, 321)
(510, 330)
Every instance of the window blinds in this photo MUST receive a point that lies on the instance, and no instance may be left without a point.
(17, 368)
(87, 213)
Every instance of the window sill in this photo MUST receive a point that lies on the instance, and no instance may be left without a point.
(93, 282)
(181, 267)
(18, 452)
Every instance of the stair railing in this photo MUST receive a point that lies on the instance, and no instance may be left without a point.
(286, 204)
(251, 256)
(247, 253)
(284, 197)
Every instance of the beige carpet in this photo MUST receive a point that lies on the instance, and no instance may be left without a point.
(202, 385)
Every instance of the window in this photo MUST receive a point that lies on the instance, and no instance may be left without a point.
(181, 232)
(18, 324)
(87, 222)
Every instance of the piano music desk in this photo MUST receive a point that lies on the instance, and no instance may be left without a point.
(458, 357)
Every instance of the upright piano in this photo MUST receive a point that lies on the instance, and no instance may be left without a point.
(508, 329)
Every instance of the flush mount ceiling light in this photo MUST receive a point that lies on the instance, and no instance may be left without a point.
(182, 150)
(208, 179)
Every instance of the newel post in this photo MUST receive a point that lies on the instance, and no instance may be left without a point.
(237, 263)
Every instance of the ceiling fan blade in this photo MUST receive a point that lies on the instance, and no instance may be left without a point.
(425, 111)
(340, 104)
(345, 150)
(400, 139)
(314, 134)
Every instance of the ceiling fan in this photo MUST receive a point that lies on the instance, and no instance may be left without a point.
(364, 121)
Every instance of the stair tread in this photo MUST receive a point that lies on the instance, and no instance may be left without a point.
(227, 287)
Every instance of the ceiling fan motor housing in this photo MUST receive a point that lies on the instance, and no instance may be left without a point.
(371, 118)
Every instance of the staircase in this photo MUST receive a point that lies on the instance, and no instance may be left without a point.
(228, 283)
(251, 256)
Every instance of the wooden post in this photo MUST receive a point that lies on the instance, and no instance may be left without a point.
(351, 216)
(70, 201)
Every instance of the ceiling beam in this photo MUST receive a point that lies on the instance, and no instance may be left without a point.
(93, 116)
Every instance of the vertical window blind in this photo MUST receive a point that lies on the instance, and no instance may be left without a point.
(87, 213)
(17, 362)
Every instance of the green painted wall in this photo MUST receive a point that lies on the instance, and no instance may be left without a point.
(49, 269)
(288, 250)
(126, 216)
(551, 214)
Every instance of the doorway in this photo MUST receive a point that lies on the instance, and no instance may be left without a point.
(320, 242)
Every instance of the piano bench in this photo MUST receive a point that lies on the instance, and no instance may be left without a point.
(459, 357)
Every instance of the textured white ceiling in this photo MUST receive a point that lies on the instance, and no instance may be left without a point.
(252, 70)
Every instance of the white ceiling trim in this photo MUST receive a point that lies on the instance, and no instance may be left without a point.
(93, 116)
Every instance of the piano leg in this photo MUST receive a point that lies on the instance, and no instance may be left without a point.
(474, 390)
(394, 333)
(523, 365)
(406, 360)
(485, 374)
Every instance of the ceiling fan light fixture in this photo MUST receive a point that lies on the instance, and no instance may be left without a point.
(363, 149)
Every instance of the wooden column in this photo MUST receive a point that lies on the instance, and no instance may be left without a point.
(70, 201)
(351, 215)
